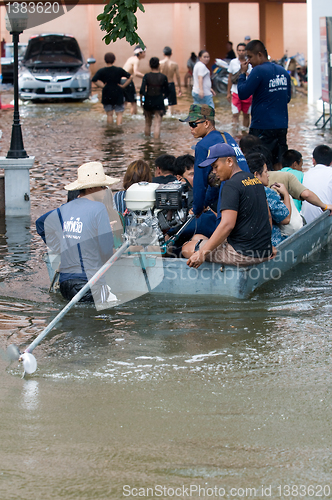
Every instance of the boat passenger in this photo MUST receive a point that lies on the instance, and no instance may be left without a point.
(184, 169)
(137, 171)
(206, 223)
(250, 143)
(81, 232)
(319, 179)
(292, 162)
(243, 236)
(280, 210)
(201, 121)
(165, 169)
(297, 190)
(294, 187)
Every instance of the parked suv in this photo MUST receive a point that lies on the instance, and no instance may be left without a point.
(53, 67)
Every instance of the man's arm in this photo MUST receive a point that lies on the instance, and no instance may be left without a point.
(200, 180)
(229, 86)
(99, 84)
(178, 79)
(312, 198)
(247, 86)
(225, 227)
(127, 82)
(281, 189)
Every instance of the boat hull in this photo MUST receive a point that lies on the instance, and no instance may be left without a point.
(133, 276)
(175, 277)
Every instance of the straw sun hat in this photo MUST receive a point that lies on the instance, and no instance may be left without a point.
(91, 175)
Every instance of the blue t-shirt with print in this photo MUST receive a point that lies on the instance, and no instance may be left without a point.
(270, 86)
(203, 194)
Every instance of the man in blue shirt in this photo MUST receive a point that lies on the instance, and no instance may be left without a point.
(202, 126)
(270, 86)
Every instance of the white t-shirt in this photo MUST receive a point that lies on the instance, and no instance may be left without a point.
(201, 70)
(319, 180)
(234, 67)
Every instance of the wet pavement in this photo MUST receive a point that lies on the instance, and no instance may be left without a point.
(176, 392)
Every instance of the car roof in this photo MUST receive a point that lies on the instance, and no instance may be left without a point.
(50, 34)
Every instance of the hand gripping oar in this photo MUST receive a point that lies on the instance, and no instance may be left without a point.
(28, 360)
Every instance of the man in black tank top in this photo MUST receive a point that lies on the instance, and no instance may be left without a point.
(154, 89)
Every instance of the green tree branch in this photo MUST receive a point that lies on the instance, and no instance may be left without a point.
(119, 21)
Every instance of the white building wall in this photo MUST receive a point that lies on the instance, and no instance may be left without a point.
(243, 21)
(295, 29)
(315, 10)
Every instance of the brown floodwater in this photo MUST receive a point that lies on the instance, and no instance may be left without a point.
(161, 397)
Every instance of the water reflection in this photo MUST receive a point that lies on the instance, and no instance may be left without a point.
(30, 395)
(18, 238)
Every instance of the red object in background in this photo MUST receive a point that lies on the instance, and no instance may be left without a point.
(3, 52)
(5, 106)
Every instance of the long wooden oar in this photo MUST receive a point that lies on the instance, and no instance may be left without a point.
(29, 362)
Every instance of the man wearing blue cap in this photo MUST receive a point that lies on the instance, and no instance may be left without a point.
(243, 236)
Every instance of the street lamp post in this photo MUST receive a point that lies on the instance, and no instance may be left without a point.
(15, 24)
(17, 163)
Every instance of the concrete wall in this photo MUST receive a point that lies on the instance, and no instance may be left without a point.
(295, 29)
(243, 21)
(175, 24)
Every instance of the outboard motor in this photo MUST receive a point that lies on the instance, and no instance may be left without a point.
(156, 208)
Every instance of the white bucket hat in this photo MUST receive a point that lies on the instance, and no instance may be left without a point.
(91, 175)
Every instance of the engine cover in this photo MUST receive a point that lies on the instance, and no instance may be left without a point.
(141, 196)
(169, 196)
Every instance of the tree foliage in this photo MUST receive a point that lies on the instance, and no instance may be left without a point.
(119, 21)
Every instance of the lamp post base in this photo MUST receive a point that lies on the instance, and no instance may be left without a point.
(17, 184)
(16, 144)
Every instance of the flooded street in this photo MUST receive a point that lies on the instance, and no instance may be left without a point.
(161, 397)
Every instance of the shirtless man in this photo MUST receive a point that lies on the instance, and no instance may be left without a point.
(171, 70)
(131, 66)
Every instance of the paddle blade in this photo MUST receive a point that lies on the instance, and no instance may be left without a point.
(13, 352)
(29, 363)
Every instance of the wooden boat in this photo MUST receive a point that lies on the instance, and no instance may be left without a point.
(173, 276)
(135, 275)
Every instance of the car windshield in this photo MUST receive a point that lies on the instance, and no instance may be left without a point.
(53, 50)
